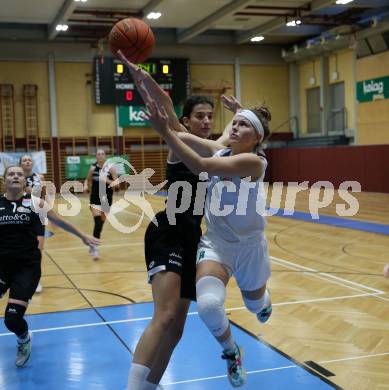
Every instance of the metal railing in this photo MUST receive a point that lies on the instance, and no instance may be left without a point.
(335, 113)
(292, 119)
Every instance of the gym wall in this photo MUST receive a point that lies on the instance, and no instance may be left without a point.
(343, 63)
(19, 73)
(307, 70)
(373, 117)
(269, 85)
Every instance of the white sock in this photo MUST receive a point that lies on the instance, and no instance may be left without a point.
(149, 386)
(228, 345)
(137, 376)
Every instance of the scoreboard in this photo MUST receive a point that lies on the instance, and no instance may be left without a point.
(115, 86)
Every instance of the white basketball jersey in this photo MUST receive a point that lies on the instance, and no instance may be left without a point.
(234, 207)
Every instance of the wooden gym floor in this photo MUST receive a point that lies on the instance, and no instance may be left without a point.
(331, 302)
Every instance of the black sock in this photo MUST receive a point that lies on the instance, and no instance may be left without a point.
(98, 226)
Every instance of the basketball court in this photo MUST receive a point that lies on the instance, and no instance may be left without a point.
(63, 96)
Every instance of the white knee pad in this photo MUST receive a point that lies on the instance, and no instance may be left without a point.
(255, 306)
(211, 294)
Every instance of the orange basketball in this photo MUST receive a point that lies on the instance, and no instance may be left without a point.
(133, 37)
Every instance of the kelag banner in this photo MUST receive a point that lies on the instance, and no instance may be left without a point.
(374, 89)
(133, 116)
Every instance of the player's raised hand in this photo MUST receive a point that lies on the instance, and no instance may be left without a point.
(231, 103)
(138, 74)
(158, 117)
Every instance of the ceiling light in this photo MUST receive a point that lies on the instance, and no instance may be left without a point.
(62, 27)
(257, 39)
(82, 1)
(293, 23)
(154, 15)
(343, 1)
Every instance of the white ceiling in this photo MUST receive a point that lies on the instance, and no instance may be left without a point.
(182, 20)
(21, 11)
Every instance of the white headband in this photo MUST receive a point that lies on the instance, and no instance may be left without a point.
(254, 121)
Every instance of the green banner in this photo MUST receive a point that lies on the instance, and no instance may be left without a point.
(77, 167)
(133, 116)
(374, 89)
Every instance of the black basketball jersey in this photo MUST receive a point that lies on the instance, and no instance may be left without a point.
(178, 171)
(18, 227)
(33, 180)
(97, 172)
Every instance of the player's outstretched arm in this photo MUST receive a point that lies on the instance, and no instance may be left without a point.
(150, 90)
(70, 228)
(242, 165)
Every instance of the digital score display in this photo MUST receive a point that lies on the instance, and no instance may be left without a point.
(115, 86)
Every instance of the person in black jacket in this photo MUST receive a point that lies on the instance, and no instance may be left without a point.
(20, 257)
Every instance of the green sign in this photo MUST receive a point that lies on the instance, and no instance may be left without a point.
(133, 116)
(374, 89)
(77, 167)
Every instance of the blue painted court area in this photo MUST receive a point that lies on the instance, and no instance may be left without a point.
(348, 223)
(90, 349)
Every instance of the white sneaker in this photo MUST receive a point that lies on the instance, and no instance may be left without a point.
(235, 370)
(23, 352)
(94, 252)
(39, 288)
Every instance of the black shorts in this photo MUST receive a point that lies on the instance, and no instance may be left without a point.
(95, 199)
(173, 248)
(21, 276)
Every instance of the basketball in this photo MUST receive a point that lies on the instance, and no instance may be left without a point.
(133, 37)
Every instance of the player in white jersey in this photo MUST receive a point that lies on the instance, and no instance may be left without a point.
(234, 243)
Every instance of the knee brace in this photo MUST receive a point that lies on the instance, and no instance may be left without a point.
(256, 305)
(14, 320)
(211, 294)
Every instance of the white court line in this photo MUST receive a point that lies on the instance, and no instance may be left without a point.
(317, 276)
(341, 280)
(100, 246)
(225, 376)
(354, 358)
(313, 300)
(277, 368)
(189, 314)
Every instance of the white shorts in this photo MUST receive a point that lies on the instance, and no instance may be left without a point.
(248, 262)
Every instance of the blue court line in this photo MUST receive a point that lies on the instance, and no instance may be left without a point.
(93, 357)
(364, 226)
(347, 223)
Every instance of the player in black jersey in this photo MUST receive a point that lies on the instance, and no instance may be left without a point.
(170, 250)
(20, 257)
(33, 180)
(105, 173)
